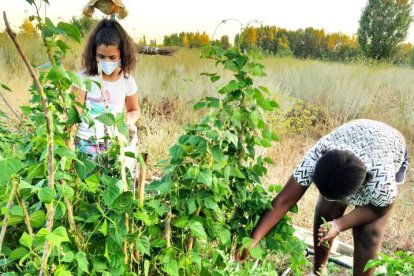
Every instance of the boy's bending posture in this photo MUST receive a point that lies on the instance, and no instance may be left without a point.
(360, 163)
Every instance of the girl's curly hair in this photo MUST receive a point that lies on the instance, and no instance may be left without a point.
(109, 33)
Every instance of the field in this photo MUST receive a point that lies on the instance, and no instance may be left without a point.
(314, 97)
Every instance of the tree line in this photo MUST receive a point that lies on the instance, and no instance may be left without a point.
(383, 27)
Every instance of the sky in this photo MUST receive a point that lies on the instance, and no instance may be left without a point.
(156, 18)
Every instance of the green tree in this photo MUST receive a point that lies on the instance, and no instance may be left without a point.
(83, 23)
(383, 26)
(225, 42)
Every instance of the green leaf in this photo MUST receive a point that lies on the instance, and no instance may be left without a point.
(60, 210)
(196, 228)
(5, 87)
(18, 253)
(62, 46)
(73, 116)
(171, 268)
(269, 160)
(58, 236)
(57, 73)
(256, 252)
(210, 203)
(223, 233)
(93, 182)
(191, 173)
(143, 244)
(200, 105)
(229, 87)
(246, 242)
(99, 265)
(82, 261)
(65, 191)
(217, 153)
(68, 257)
(107, 119)
(26, 240)
(61, 271)
(9, 167)
(163, 186)
(191, 205)
(37, 218)
(46, 194)
(84, 168)
(70, 30)
(121, 125)
(232, 138)
(123, 203)
(237, 173)
(104, 228)
(294, 209)
(265, 143)
(41, 236)
(16, 210)
(110, 195)
(181, 222)
(205, 177)
(227, 172)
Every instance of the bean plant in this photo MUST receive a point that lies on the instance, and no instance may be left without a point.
(66, 214)
(399, 263)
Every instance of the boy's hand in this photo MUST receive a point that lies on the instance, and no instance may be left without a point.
(242, 254)
(327, 231)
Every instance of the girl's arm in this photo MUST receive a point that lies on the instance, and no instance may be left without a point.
(132, 109)
(359, 216)
(290, 195)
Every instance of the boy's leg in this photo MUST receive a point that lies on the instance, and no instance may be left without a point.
(329, 210)
(367, 241)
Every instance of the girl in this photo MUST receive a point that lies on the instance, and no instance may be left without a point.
(360, 163)
(109, 59)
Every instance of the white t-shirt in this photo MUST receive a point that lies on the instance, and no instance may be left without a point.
(115, 93)
(380, 147)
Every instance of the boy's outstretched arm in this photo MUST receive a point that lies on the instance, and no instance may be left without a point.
(359, 216)
(281, 204)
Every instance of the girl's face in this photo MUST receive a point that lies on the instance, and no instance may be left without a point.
(107, 53)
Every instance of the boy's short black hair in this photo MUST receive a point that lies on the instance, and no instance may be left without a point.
(338, 174)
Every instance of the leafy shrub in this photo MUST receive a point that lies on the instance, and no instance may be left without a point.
(64, 213)
(400, 263)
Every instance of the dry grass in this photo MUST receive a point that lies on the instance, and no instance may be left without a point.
(168, 84)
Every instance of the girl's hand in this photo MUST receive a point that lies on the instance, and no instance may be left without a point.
(242, 254)
(328, 231)
(132, 129)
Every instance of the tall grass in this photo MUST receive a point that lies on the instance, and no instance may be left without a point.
(168, 86)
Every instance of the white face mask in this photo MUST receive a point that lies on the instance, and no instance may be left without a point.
(108, 67)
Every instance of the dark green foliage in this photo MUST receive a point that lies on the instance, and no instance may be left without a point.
(213, 182)
(210, 192)
(399, 263)
(83, 23)
(383, 26)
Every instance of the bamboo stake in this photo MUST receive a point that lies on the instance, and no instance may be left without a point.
(190, 243)
(8, 206)
(49, 126)
(141, 170)
(72, 224)
(125, 246)
(168, 228)
(26, 214)
(11, 108)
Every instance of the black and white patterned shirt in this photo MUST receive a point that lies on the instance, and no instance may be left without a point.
(380, 147)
